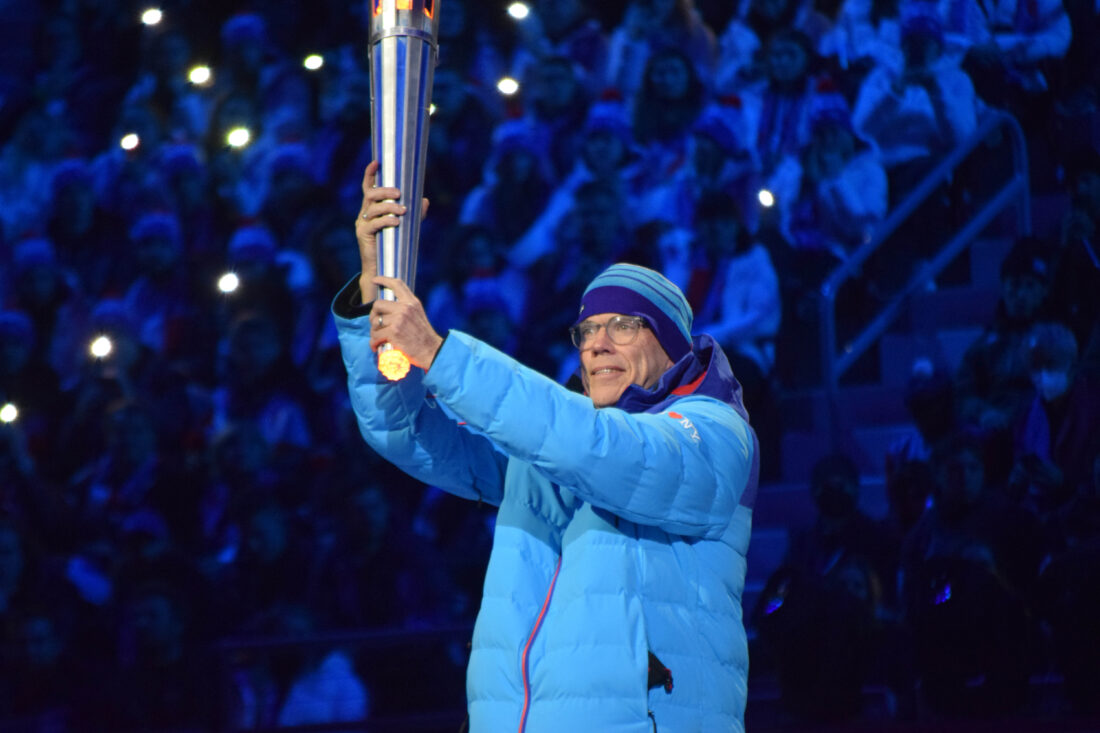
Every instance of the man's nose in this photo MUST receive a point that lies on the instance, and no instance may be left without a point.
(600, 342)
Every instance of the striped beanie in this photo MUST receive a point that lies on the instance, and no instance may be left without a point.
(633, 290)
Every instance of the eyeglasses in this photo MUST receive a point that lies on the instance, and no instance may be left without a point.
(622, 330)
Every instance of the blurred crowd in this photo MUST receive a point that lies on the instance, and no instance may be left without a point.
(179, 462)
(977, 593)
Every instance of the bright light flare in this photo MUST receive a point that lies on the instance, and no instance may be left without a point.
(229, 282)
(152, 16)
(200, 75)
(393, 364)
(8, 413)
(129, 141)
(101, 346)
(766, 199)
(431, 109)
(519, 11)
(238, 137)
(507, 86)
(314, 61)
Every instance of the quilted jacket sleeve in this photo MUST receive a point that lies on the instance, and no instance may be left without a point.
(682, 470)
(408, 427)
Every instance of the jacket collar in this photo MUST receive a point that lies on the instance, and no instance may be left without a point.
(702, 371)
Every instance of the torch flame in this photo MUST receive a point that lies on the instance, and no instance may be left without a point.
(429, 6)
(393, 364)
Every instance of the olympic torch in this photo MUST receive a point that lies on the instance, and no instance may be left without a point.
(403, 47)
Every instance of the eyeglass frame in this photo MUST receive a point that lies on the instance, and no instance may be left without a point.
(580, 342)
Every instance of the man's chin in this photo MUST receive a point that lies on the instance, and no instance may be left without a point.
(605, 397)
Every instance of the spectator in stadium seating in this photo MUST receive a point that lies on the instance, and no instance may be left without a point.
(650, 26)
(1006, 46)
(460, 132)
(125, 370)
(294, 683)
(992, 381)
(930, 401)
(259, 382)
(1069, 593)
(665, 107)
(473, 46)
(916, 113)
(718, 161)
(826, 600)
(734, 293)
(29, 383)
(134, 472)
(164, 84)
(365, 571)
(161, 296)
(476, 263)
(841, 529)
(182, 168)
(275, 565)
(1075, 287)
(866, 36)
(1056, 436)
(968, 570)
(43, 673)
(162, 680)
(565, 28)
(833, 194)
(607, 155)
(88, 238)
(777, 109)
(557, 107)
(515, 185)
(1075, 85)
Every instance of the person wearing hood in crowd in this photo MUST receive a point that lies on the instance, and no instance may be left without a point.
(651, 26)
(515, 185)
(612, 597)
(1056, 436)
(608, 157)
(992, 381)
(671, 97)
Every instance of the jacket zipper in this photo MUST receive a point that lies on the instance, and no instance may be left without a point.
(527, 648)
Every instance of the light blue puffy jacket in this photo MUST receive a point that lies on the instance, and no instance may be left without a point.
(621, 531)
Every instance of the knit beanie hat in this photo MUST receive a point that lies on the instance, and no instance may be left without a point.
(633, 290)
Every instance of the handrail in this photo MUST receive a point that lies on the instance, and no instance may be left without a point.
(834, 364)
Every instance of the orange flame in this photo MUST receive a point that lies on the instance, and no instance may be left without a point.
(393, 364)
(429, 6)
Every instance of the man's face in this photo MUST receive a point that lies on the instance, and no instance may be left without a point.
(607, 368)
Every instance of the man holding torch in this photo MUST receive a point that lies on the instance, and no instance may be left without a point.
(612, 600)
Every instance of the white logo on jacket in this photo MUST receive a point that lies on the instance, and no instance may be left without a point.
(686, 423)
